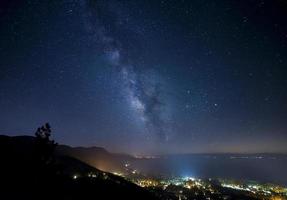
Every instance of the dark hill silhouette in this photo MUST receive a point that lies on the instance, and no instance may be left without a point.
(96, 156)
(66, 178)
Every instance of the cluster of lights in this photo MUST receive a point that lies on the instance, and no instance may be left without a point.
(118, 174)
(147, 183)
(192, 183)
(237, 187)
(257, 189)
(188, 178)
(91, 175)
(272, 192)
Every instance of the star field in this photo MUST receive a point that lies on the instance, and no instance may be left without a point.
(147, 76)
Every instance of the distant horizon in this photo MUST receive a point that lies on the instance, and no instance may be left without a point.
(155, 155)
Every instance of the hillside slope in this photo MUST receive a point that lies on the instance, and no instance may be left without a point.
(67, 178)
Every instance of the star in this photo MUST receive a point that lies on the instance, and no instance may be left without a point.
(187, 106)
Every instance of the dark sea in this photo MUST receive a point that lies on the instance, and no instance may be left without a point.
(264, 168)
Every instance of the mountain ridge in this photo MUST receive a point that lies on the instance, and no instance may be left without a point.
(23, 176)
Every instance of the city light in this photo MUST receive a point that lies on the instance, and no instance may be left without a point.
(118, 174)
(186, 186)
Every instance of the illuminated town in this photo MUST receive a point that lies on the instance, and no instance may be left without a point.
(195, 188)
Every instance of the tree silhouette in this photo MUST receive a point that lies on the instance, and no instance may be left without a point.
(44, 146)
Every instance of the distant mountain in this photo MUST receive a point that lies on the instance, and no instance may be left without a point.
(97, 157)
(66, 178)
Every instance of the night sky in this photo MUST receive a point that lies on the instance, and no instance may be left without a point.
(147, 76)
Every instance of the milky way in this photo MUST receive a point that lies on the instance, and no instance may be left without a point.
(143, 90)
(148, 76)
